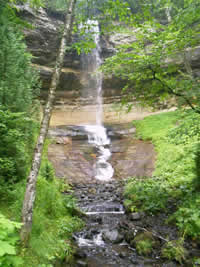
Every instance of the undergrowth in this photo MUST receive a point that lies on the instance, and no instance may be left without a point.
(175, 184)
(53, 222)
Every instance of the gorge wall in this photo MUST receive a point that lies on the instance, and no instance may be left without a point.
(43, 40)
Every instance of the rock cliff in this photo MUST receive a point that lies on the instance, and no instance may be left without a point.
(43, 39)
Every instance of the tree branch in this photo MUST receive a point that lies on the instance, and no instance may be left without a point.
(171, 91)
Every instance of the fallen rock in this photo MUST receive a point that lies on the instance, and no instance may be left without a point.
(80, 254)
(112, 236)
(123, 254)
(135, 216)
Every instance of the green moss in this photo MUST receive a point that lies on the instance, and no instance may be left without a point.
(144, 243)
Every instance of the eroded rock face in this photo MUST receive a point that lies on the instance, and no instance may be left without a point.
(43, 40)
(70, 79)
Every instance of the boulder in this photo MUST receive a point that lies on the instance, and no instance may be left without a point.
(112, 236)
(135, 216)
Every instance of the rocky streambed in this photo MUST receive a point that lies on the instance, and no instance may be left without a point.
(111, 236)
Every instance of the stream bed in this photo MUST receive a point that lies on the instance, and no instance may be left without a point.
(105, 239)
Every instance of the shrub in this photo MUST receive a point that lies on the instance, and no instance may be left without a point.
(188, 216)
(8, 242)
(146, 194)
(17, 133)
(187, 129)
(174, 250)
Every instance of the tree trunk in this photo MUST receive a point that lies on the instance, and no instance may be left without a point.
(27, 211)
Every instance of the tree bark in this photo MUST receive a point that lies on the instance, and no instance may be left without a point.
(29, 199)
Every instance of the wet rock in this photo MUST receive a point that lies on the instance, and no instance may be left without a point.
(81, 263)
(135, 216)
(97, 219)
(195, 253)
(149, 261)
(134, 261)
(80, 253)
(130, 235)
(123, 254)
(112, 236)
(92, 191)
(169, 264)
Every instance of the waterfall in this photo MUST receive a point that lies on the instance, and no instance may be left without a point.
(97, 135)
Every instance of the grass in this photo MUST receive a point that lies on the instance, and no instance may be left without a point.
(176, 179)
(53, 221)
(155, 127)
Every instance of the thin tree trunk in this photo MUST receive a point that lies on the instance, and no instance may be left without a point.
(186, 58)
(28, 205)
(168, 14)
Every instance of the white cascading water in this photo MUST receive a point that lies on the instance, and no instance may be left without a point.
(97, 135)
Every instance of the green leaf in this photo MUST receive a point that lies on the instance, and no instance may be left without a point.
(6, 248)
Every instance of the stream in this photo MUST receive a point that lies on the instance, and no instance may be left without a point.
(103, 241)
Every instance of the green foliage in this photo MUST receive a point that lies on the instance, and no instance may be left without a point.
(174, 250)
(187, 130)
(160, 53)
(18, 106)
(84, 46)
(33, 3)
(57, 5)
(149, 195)
(175, 182)
(155, 127)
(53, 224)
(104, 10)
(17, 134)
(196, 262)
(19, 82)
(8, 241)
(144, 247)
(144, 243)
(53, 220)
(188, 216)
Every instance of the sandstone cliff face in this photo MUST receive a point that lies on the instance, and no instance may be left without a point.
(43, 41)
